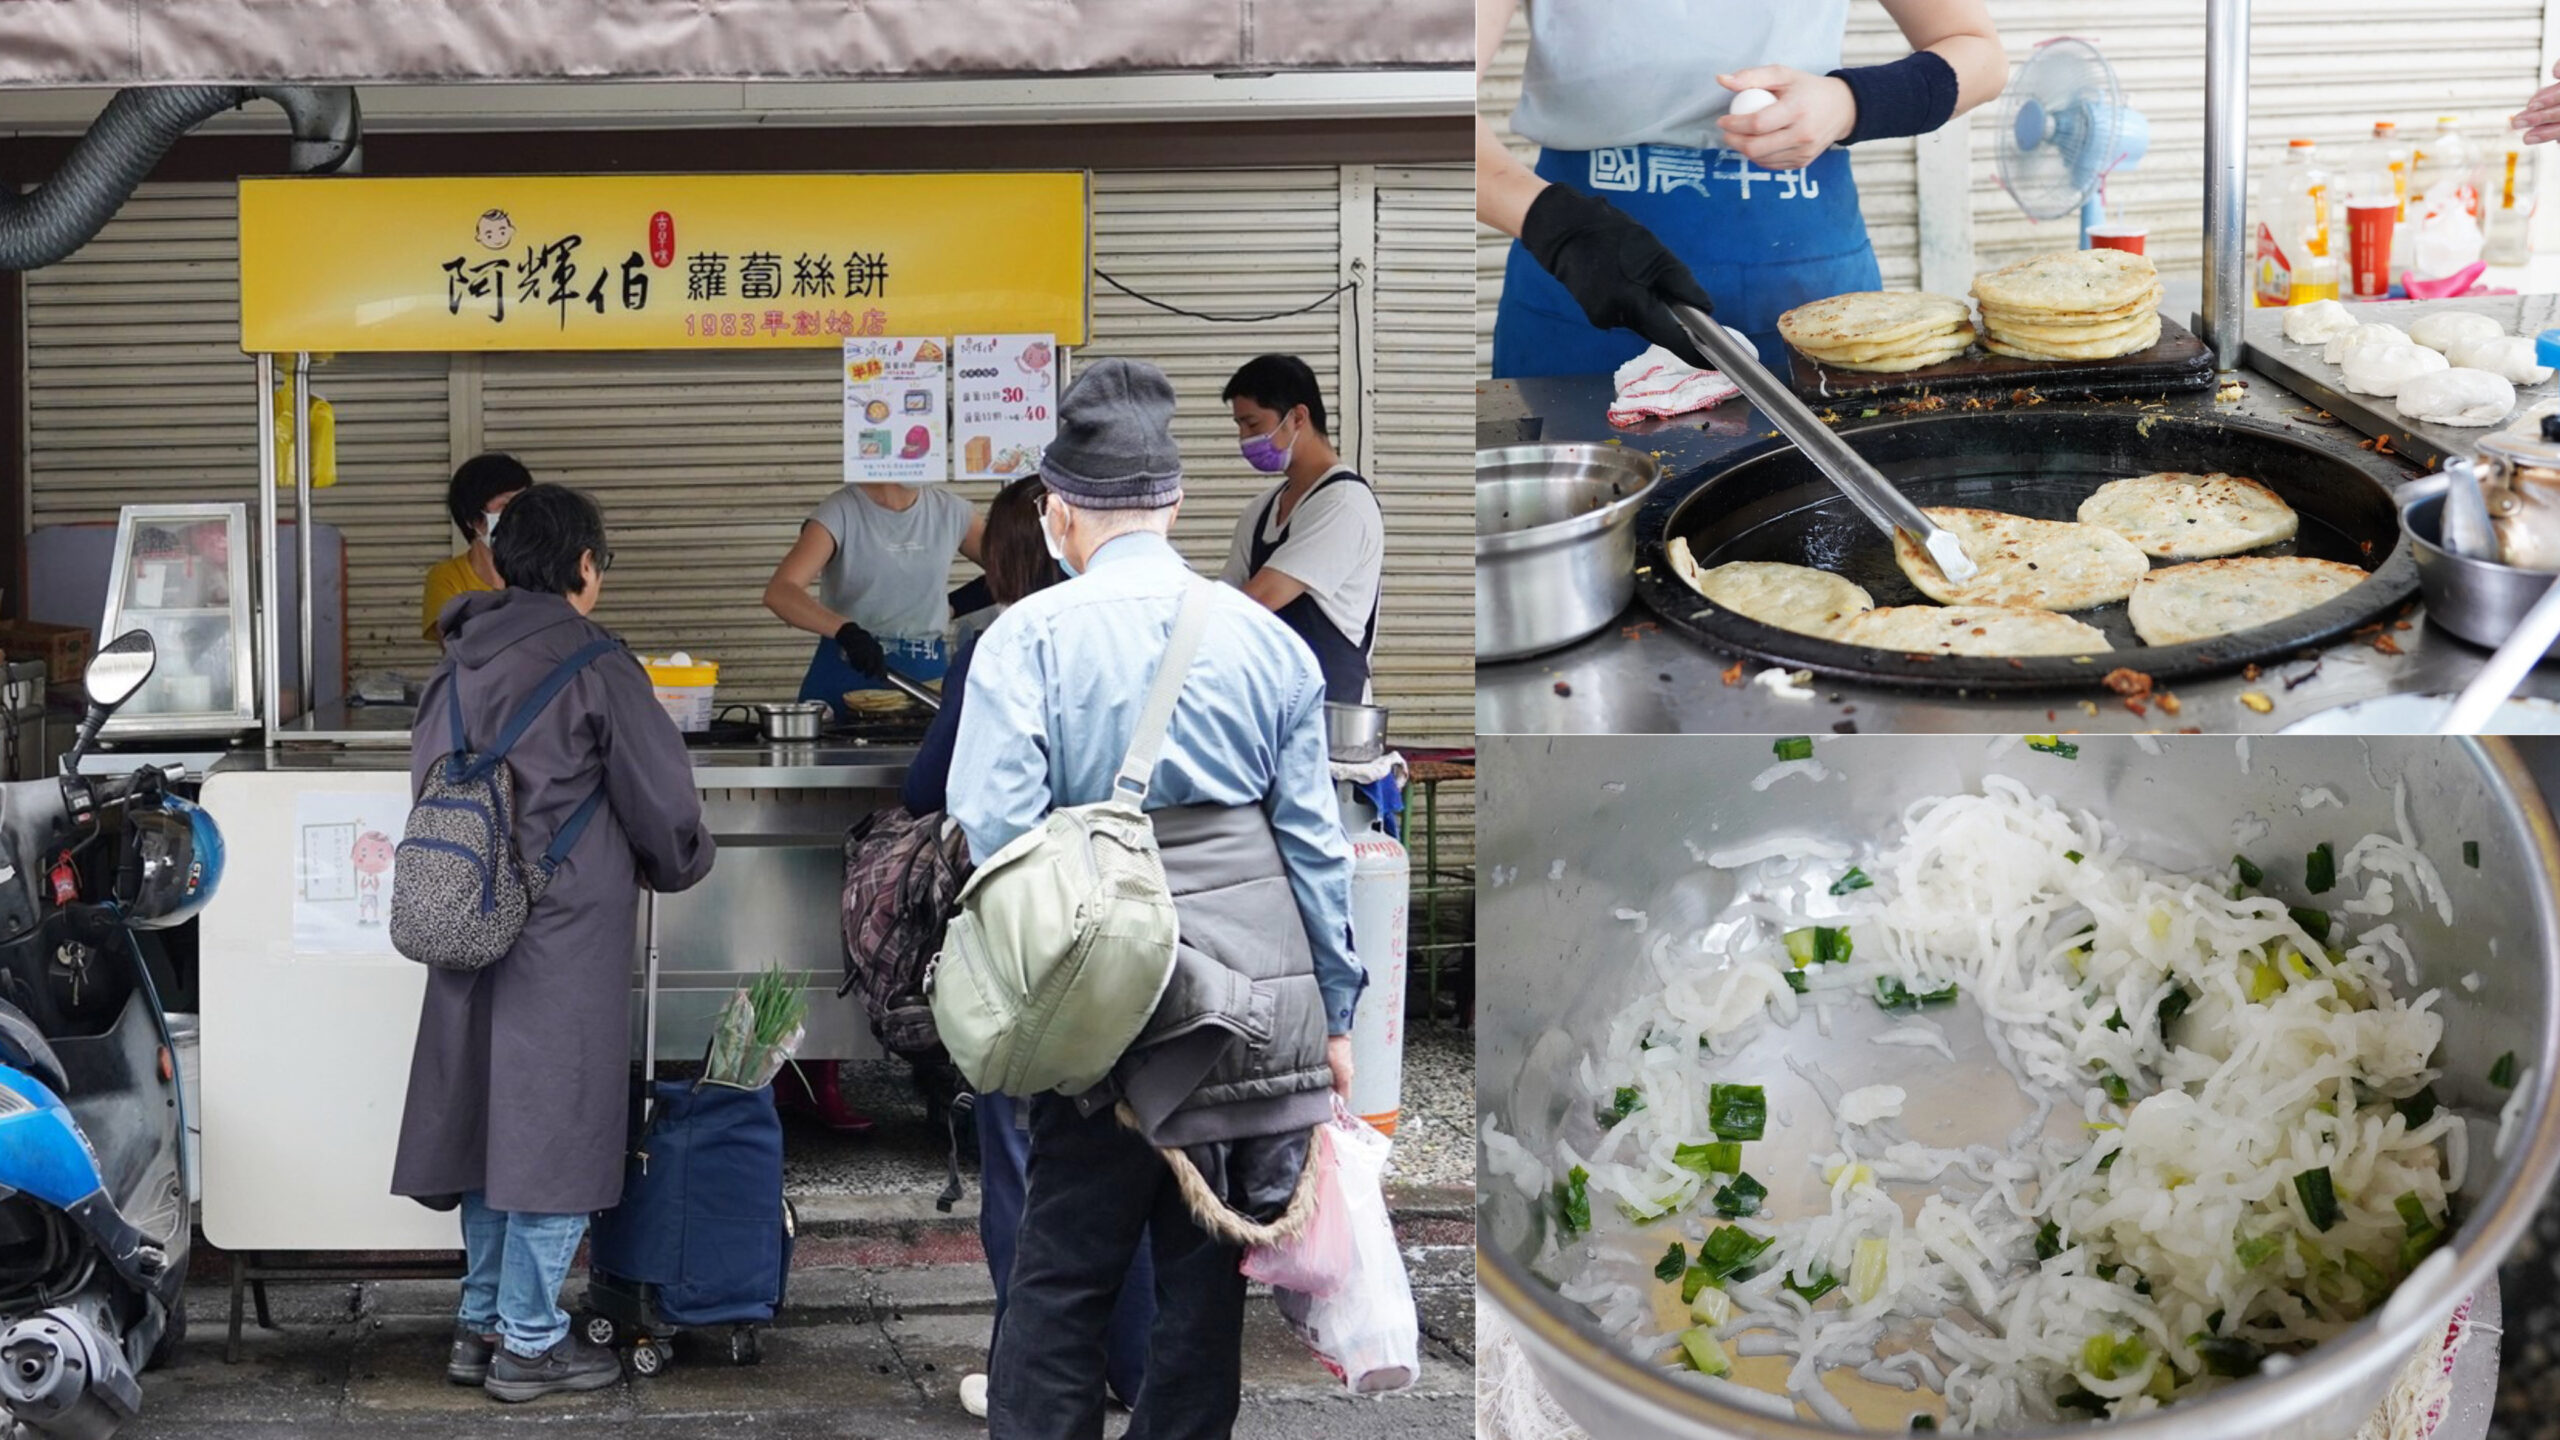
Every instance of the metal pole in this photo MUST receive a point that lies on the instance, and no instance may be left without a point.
(302, 528)
(269, 685)
(2226, 177)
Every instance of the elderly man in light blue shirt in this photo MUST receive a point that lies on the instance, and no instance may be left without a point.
(1251, 1045)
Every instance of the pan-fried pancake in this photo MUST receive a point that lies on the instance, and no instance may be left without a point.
(2067, 280)
(1869, 317)
(1791, 597)
(1971, 630)
(2177, 516)
(2210, 598)
(2036, 564)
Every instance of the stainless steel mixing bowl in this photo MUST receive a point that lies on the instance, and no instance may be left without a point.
(1555, 542)
(1621, 814)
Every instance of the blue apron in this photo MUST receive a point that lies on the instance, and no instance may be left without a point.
(830, 677)
(1761, 241)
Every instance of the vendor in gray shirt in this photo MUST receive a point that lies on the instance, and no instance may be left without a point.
(880, 556)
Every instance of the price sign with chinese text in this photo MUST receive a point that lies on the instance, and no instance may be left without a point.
(893, 425)
(1004, 403)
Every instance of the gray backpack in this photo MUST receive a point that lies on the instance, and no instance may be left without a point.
(459, 894)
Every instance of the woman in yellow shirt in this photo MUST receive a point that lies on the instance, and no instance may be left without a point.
(478, 492)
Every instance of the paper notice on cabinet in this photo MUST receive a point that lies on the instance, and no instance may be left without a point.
(342, 870)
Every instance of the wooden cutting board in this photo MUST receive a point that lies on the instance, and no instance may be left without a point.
(2179, 361)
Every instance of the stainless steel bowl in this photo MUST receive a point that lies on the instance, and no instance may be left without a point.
(1355, 734)
(1588, 831)
(1555, 542)
(793, 719)
(2479, 600)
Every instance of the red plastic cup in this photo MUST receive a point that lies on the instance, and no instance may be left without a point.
(2369, 226)
(2127, 238)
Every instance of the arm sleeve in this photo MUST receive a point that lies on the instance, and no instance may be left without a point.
(648, 780)
(1329, 538)
(929, 773)
(1308, 825)
(999, 779)
(1911, 96)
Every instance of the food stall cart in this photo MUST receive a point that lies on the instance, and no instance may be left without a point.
(1734, 490)
(309, 1015)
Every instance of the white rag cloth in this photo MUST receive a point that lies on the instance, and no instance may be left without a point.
(1658, 384)
(1362, 773)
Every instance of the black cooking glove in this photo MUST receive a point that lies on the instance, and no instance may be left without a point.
(861, 651)
(1622, 276)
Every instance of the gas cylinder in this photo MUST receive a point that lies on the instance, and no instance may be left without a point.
(1381, 896)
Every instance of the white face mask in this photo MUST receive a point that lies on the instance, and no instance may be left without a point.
(1057, 547)
(489, 525)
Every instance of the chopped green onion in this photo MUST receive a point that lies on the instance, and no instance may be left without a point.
(1740, 1198)
(2418, 1109)
(1728, 1250)
(2107, 1161)
(2174, 1004)
(2116, 1022)
(1674, 1261)
(1856, 879)
(1867, 1270)
(1628, 1101)
(2223, 1355)
(2250, 875)
(1694, 1284)
(1819, 945)
(2257, 1250)
(2320, 869)
(1573, 1200)
(1711, 1307)
(1794, 747)
(2074, 856)
(2054, 745)
(1823, 1284)
(2368, 1276)
(2116, 1089)
(2471, 853)
(1893, 995)
(1795, 981)
(2319, 1197)
(2416, 1247)
(2048, 1240)
(1698, 1346)
(2107, 1357)
(1737, 1112)
(2502, 1072)
(2314, 923)
(2413, 1212)
(1721, 1158)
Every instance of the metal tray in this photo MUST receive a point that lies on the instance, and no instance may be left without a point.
(2302, 371)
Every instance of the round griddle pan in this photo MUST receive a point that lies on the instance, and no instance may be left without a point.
(1774, 505)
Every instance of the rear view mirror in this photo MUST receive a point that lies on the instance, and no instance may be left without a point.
(120, 668)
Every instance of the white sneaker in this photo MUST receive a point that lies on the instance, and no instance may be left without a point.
(973, 1395)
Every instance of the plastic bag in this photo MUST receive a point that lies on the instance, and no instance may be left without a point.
(1317, 1262)
(1364, 1329)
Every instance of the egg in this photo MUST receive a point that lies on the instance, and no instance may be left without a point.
(1751, 102)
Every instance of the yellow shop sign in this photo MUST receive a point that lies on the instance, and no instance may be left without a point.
(658, 262)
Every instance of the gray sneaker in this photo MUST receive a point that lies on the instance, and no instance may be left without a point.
(573, 1364)
(469, 1362)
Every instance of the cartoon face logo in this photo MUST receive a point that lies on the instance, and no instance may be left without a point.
(495, 230)
(372, 853)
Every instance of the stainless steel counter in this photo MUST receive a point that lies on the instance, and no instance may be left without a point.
(1637, 677)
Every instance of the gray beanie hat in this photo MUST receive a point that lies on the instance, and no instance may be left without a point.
(1114, 449)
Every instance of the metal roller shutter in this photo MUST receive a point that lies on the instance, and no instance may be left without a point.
(1425, 407)
(1887, 191)
(137, 390)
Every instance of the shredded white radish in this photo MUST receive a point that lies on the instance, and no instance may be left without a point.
(2222, 1058)
(1812, 770)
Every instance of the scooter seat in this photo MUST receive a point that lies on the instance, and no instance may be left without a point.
(23, 1043)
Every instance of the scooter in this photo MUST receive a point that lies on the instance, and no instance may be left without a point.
(94, 1220)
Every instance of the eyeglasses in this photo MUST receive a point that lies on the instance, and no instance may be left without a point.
(604, 561)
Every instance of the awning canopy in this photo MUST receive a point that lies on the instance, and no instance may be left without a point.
(155, 42)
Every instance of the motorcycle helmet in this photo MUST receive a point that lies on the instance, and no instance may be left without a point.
(172, 862)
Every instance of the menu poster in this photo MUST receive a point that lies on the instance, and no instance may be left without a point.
(893, 412)
(1004, 403)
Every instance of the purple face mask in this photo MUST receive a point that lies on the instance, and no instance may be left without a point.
(1265, 452)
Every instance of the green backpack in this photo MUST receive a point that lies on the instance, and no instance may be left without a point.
(1063, 944)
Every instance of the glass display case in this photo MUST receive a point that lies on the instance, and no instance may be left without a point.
(182, 573)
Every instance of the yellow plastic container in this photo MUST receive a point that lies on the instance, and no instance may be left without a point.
(324, 441)
(684, 687)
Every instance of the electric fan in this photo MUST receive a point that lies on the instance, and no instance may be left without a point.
(2063, 126)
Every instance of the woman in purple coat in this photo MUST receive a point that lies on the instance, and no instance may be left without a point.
(519, 1089)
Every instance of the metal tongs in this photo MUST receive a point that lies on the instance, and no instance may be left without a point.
(913, 690)
(1866, 487)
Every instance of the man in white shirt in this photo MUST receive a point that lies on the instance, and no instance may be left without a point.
(1310, 549)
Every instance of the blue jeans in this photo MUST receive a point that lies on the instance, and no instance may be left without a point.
(514, 1265)
(1004, 1158)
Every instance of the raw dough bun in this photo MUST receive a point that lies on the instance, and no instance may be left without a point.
(1751, 102)
(2509, 357)
(2177, 516)
(2457, 397)
(2211, 598)
(1791, 597)
(2339, 346)
(2318, 322)
(2448, 330)
(2383, 369)
(2035, 564)
(1971, 630)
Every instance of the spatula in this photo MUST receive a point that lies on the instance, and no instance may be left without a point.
(1866, 487)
